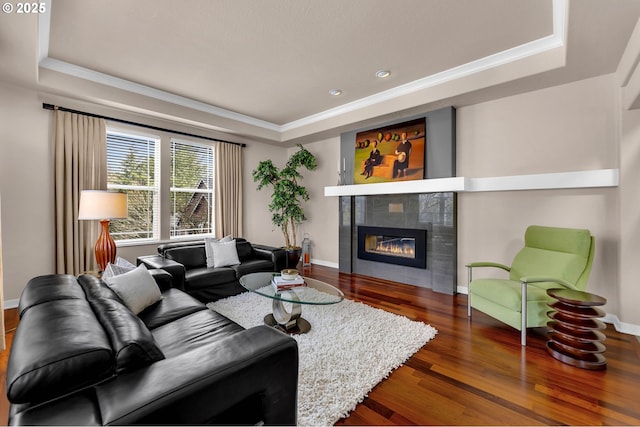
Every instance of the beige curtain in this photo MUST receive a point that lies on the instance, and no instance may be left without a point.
(80, 163)
(2, 342)
(228, 185)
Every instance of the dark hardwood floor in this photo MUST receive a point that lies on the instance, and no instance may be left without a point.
(474, 372)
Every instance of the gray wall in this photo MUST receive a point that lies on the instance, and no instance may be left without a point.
(435, 212)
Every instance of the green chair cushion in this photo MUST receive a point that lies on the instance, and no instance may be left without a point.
(569, 240)
(561, 253)
(537, 262)
(506, 293)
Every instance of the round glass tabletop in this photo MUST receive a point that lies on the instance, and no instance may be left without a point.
(313, 292)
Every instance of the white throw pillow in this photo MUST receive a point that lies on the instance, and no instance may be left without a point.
(121, 266)
(209, 251)
(225, 253)
(137, 289)
(121, 262)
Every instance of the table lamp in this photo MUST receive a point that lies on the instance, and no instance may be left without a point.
(103, 206)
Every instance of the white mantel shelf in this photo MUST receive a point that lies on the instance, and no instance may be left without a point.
(544, 181)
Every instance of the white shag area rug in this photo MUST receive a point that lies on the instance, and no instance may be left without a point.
(350, 348)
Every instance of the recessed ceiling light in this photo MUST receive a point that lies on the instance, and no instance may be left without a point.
(335, 92)
(383, 74)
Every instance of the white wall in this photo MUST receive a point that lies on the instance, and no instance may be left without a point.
(257, 218)
(321, 211)
(26, 187)
(564, 128)
(630, 217)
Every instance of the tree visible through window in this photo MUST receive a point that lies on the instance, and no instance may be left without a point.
(132, 167)
(192, 185)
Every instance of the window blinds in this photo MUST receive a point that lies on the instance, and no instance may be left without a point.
(133, 167)
(192, 188)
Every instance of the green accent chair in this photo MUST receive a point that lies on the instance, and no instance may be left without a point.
(551, 258)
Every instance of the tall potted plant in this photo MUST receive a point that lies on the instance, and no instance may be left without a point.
(287, 196)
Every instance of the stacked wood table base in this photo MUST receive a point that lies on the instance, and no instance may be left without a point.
(575, 337)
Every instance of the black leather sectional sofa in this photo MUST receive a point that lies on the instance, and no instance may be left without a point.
(187, 263)
(81, 357)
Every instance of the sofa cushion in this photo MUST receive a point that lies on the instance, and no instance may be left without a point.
(245, 250)
(136, 289)
(174, 305)
(206, 277)
(59, 347)
(191, 256)
(131, 340)
(252, 266)
(79, 408)
(40, 290)
(193, 331)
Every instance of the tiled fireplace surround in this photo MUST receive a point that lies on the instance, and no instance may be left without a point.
(433, 212)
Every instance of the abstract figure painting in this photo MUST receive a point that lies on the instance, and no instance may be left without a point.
(391, 153)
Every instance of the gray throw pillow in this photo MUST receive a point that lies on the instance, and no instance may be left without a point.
(121, 266)
(137, 289)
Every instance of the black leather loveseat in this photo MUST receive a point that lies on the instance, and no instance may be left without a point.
(187, 263)
(81, 357)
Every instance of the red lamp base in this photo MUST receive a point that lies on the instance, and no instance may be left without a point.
(105, 247)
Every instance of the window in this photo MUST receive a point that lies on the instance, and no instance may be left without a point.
(192, 186)
(133, 167)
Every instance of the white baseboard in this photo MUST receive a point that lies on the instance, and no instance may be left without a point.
(325, 263)
(11, 303)
(625, 328)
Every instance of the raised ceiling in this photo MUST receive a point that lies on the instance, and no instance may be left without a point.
(264, 68)
(276, 60)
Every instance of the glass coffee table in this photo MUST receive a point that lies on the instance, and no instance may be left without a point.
(287, 304)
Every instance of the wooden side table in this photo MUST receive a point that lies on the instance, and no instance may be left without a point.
(575, 337)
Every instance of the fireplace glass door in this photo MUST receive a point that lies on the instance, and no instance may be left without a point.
(393, 245)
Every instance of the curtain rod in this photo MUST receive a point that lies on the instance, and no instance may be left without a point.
(127, 122)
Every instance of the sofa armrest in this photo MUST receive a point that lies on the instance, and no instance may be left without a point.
(175, 269)
(163, 278)
(198, 386)
(277, 256)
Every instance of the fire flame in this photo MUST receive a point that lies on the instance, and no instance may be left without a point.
(394, 248)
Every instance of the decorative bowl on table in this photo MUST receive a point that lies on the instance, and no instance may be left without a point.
(289, 273)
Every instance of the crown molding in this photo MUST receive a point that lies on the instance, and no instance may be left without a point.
(129, 86)
(535, 47)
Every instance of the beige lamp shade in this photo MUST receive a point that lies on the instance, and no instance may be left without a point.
(99, 204)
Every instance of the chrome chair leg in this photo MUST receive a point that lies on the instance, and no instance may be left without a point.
(523, 322)
(468, 291)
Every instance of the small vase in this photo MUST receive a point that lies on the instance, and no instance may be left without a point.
(293, 256)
